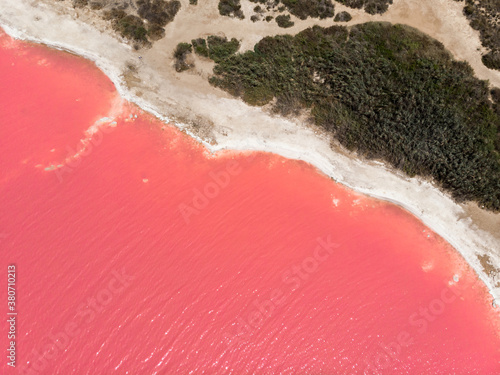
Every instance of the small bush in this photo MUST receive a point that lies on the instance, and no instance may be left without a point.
(495, 94)
(254, 18)
(156, 32)
(284, 21)
(492, 60)
(193, 2)
(231, 8)
(269, 18)
(96, 5)
(180, 53)
(343, 17)
(80, 3)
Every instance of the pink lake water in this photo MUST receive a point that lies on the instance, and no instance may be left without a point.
(138, 252)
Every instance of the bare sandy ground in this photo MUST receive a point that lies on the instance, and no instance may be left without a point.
(222, 122)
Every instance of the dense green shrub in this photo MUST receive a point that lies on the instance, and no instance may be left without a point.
(343, 17)
(231, 8)
(310, 8)
(154, 15)
(200, 47)
(158, 12)
(388, 92)
(219, 48)
(284, 21)
(129, 26)
(132, 27)
(370, 6)
(495, 94)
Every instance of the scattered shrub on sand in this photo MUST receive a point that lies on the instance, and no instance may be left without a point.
(231, 8)
(193, 2)
(200, 47)
(180, 54)
(254, 18)
(343, 17)
(483, 15)
(386, 91)
(284, 21)
(269, 18)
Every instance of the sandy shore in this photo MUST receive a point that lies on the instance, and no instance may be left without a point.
(221, 122)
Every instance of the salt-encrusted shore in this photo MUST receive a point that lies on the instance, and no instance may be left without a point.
(221, 122)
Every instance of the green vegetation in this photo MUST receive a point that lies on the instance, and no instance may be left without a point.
(193, 2)
(132, 27)
(299, 8)
(80, 3)
(231, 8)
(180, 54)
(148, 25)
(158, 12)
(310, 8)
(200, 47)
(220, 48)
(128, 25)
(343, 17)
(215, 47)
(370, 6)
(386, 91)
(284, 21)
(483, 15)
(96, 5)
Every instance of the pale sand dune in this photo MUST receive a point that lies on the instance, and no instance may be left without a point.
(222, 122)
